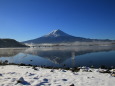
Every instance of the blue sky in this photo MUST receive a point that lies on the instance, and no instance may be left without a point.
(28, 19)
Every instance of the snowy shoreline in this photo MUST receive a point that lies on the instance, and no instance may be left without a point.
(13, 75)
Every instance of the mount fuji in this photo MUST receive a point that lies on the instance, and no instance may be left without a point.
(58, 36)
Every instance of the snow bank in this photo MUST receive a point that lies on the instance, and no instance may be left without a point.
(26, 76)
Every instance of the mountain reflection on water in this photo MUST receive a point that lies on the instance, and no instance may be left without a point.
(58, 56)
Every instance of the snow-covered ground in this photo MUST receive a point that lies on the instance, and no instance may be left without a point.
(11, 75)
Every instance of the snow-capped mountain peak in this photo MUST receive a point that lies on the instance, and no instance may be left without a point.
(56, 33)
(58, 36)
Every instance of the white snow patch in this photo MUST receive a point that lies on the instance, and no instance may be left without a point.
(26, 76)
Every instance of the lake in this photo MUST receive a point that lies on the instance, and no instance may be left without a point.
(61, 56)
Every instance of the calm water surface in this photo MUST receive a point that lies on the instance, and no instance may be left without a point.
(58, 56)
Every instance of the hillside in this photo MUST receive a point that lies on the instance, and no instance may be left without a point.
(4, 43)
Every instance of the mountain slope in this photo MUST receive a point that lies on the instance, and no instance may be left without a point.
(4, 43)
(57, 36)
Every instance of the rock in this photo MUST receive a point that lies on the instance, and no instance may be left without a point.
(21, 80)
(113, 74)
(0, 74)
(104, 71)
(72, 85)
(63, 70)
(52, 70)
(35, 68)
